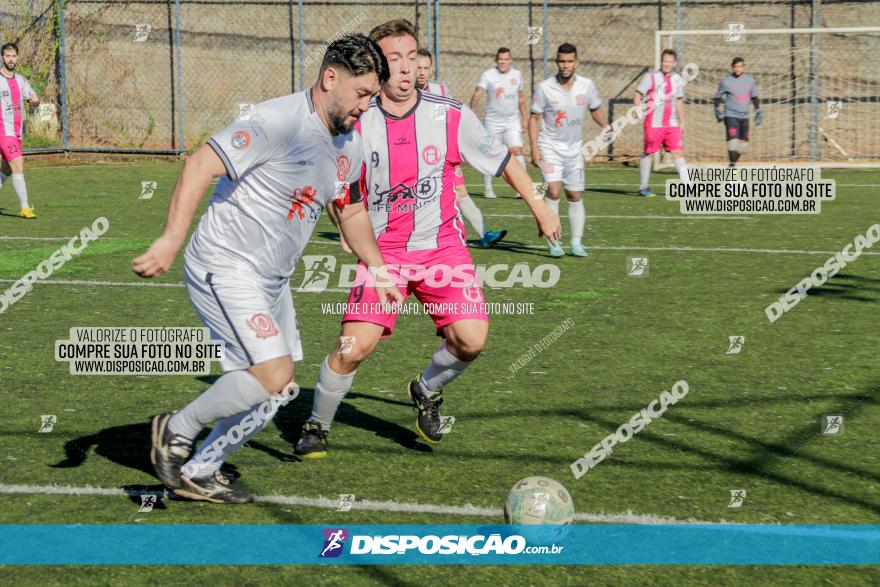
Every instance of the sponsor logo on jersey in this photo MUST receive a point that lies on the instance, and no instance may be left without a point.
(343, 166)
(301, 197)
(560, 116)
(431, 154)
(262, 325)
(241, 139)
(499, 92)
(580, 99)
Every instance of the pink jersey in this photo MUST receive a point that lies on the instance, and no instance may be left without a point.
(13, 92)
(661, 92)
(436, 87)
(409, 169)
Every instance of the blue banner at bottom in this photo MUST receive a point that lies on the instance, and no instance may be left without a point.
(697, 544)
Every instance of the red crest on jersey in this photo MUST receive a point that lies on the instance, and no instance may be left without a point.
(241, 139)
(581, 99)
(300, 197)
(499, 91)
(343, 166)
(431, 154)
(560, 116)
(262, 325)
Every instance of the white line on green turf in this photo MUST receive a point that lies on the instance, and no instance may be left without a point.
(363, 504)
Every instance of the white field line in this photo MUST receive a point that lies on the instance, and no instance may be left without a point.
(365, 504)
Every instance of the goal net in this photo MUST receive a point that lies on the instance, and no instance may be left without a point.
(819, 91)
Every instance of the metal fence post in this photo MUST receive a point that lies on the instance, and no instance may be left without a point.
(437, 38)
(429, 14)
(814, 80)
(544, 35)
(292, 47)
(302, 45)
(63, 73)
(181, 141)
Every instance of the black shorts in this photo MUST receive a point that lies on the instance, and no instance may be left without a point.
(737, 128)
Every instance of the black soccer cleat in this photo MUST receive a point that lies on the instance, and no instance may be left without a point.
(169, 452)
(313, 442)
(428, 422)
(216, 488)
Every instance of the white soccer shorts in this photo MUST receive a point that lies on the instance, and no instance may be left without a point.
(569, 169)
(252, 315)
(509, 133)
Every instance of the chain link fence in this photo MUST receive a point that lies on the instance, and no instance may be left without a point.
(160, 76)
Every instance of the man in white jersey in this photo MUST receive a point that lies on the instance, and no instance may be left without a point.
(14, 90)
(664, 122)
(295, 156)
(506, 112)
(563, 101)
(469, 210)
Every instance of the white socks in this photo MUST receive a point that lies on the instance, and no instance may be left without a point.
(577, 219)
(444, 368)
(644, 171)
(234, 392)
(329, 392)
(681, 168)
(553, 205)
(487, 184)
(212, 454)
(20, 189)
(472, 214)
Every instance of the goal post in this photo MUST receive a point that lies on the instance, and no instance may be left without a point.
(819, 90)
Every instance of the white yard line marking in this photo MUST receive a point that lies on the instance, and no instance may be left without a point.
(361, 504)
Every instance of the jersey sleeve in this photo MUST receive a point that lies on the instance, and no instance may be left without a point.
(538, 101)
(348, 191)
(246, 144)
(679, 90)
(478, 146)
(27, 91)
(483, 84)
(645, 85)
(519, 86)
(754, 88)
(721, 91)
(595, 101)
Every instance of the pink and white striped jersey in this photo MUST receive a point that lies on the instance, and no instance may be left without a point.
(661, 92)
(409, 165)
(437, 88)
(13, 92)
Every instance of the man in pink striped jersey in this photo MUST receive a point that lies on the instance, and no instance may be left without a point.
(14, 90)
(469, 210)
(412, 142)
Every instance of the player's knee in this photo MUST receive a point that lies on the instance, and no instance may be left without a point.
(468, 348)
(349, 354)
(275, 375)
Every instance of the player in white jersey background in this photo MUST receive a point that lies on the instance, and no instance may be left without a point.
(664, 121)
(424, 82)
(562, 101)
(14, 91)
(506, 112)
(296, 156)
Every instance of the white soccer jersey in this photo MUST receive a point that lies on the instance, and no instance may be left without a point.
(410, 167)
(502, 91)
(13, 92)
(661, 92)
(564, 113)
(283, 167)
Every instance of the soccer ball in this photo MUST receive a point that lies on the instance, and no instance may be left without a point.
(538, 500)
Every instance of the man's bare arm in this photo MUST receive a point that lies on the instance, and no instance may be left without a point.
(475, 99)
(198, 172)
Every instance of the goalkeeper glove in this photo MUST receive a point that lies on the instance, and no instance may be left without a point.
(758, 117)
(719, 115)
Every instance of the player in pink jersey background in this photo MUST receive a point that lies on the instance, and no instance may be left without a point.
(14, 90)
(664, 121)
(424, 82)
(412, 142)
